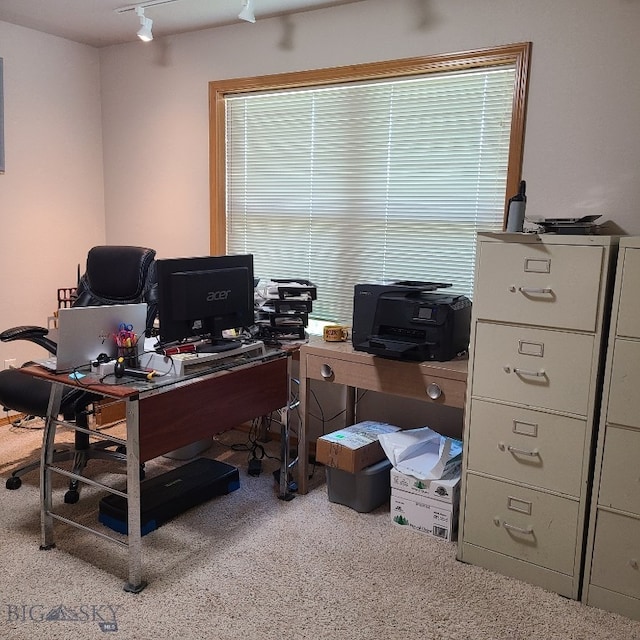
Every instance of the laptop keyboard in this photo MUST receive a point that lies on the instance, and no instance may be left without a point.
(49, 363)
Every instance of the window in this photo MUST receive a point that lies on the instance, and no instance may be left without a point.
(370, 173)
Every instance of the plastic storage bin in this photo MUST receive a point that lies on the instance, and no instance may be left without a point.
(363, 491)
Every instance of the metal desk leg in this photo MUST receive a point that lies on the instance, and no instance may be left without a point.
(135, 583)
(284, 493)
(303, 446)
(350, 406)
(46, 460)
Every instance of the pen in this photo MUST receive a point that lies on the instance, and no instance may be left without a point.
(181, 348)
(186, 347)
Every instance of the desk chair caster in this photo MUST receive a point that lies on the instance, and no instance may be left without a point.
(71, 496)
(13, 483)
(73, 493)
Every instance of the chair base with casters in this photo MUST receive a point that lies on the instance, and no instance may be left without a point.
(77, 408)
(80, 459)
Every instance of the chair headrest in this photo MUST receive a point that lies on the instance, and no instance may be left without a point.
(118, 273)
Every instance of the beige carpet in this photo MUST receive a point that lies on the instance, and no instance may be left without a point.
(250, 566)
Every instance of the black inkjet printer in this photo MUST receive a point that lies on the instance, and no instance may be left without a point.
(407, 320)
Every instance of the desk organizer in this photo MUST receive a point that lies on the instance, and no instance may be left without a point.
(283, 307)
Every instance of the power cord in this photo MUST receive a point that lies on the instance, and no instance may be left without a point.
(256, 451)
(28, 423)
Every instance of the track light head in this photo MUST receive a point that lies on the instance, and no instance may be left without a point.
(144, 33)
(247, 11)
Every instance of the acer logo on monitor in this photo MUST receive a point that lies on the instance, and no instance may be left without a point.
(218, 295)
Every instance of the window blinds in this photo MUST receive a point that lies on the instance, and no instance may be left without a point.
(369, 182)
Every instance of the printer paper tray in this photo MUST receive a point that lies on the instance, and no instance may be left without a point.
(392, 348)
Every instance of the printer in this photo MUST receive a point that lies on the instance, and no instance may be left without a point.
(409, 320)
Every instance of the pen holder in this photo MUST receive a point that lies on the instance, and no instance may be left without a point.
(127, 343)
(129, 355)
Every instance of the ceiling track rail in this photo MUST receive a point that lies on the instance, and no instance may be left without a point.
(144, 5)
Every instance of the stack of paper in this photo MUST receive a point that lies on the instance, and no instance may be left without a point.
(422, 453)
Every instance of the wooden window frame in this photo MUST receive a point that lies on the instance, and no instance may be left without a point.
(518, 55)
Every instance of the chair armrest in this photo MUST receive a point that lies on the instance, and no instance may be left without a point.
(32, 334)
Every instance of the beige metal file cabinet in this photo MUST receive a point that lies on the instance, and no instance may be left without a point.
(612, 571)
(535, 373)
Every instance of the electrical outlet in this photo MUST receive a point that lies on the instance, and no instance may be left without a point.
(10, 363)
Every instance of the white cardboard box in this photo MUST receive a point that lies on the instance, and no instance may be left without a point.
(426, 515)
(443, 489)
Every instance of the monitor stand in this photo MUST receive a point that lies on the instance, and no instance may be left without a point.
(218, 346)
(186, 362)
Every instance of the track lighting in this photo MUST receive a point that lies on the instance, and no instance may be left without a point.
(247, 11)
(144, 33)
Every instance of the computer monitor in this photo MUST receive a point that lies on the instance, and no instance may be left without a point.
(203, 296)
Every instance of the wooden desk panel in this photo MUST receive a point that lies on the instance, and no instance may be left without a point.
(89, 383)
(406, 379)
(169, 421)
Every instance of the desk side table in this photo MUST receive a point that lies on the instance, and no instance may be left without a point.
(338, 363)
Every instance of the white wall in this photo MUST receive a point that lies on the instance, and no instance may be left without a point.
(51, 196)
(581, 151)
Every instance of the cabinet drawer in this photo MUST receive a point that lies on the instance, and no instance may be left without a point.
(616, 554)
(536, 367)
(539, 284)
(522, 523)
(629, 307)
(408, 379)
(624, 399)
(530, 447)
(620, 480)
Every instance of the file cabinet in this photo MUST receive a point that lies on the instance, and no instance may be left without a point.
(612, 569)
(535, 376)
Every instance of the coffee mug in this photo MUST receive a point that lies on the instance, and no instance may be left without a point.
(335, 333)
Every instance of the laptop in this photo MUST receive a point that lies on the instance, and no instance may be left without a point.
(84, 333)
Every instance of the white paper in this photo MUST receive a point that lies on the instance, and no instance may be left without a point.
(421, 453)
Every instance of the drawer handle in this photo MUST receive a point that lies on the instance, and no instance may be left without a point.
(522, 452)
(531, 291)
(326, 371)
(510, 527)
(541, 373)
(434, 391)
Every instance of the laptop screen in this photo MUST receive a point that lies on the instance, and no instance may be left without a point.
(84, 333)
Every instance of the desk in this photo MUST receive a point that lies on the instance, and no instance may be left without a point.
(338, 363)
(162, 416)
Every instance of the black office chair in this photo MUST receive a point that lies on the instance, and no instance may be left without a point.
(114, 275)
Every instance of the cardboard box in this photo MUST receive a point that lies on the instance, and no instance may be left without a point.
(109, 411)
(353, 448)
(444, 489)
(426, 515)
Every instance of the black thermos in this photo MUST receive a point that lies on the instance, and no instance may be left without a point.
(517, 206)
